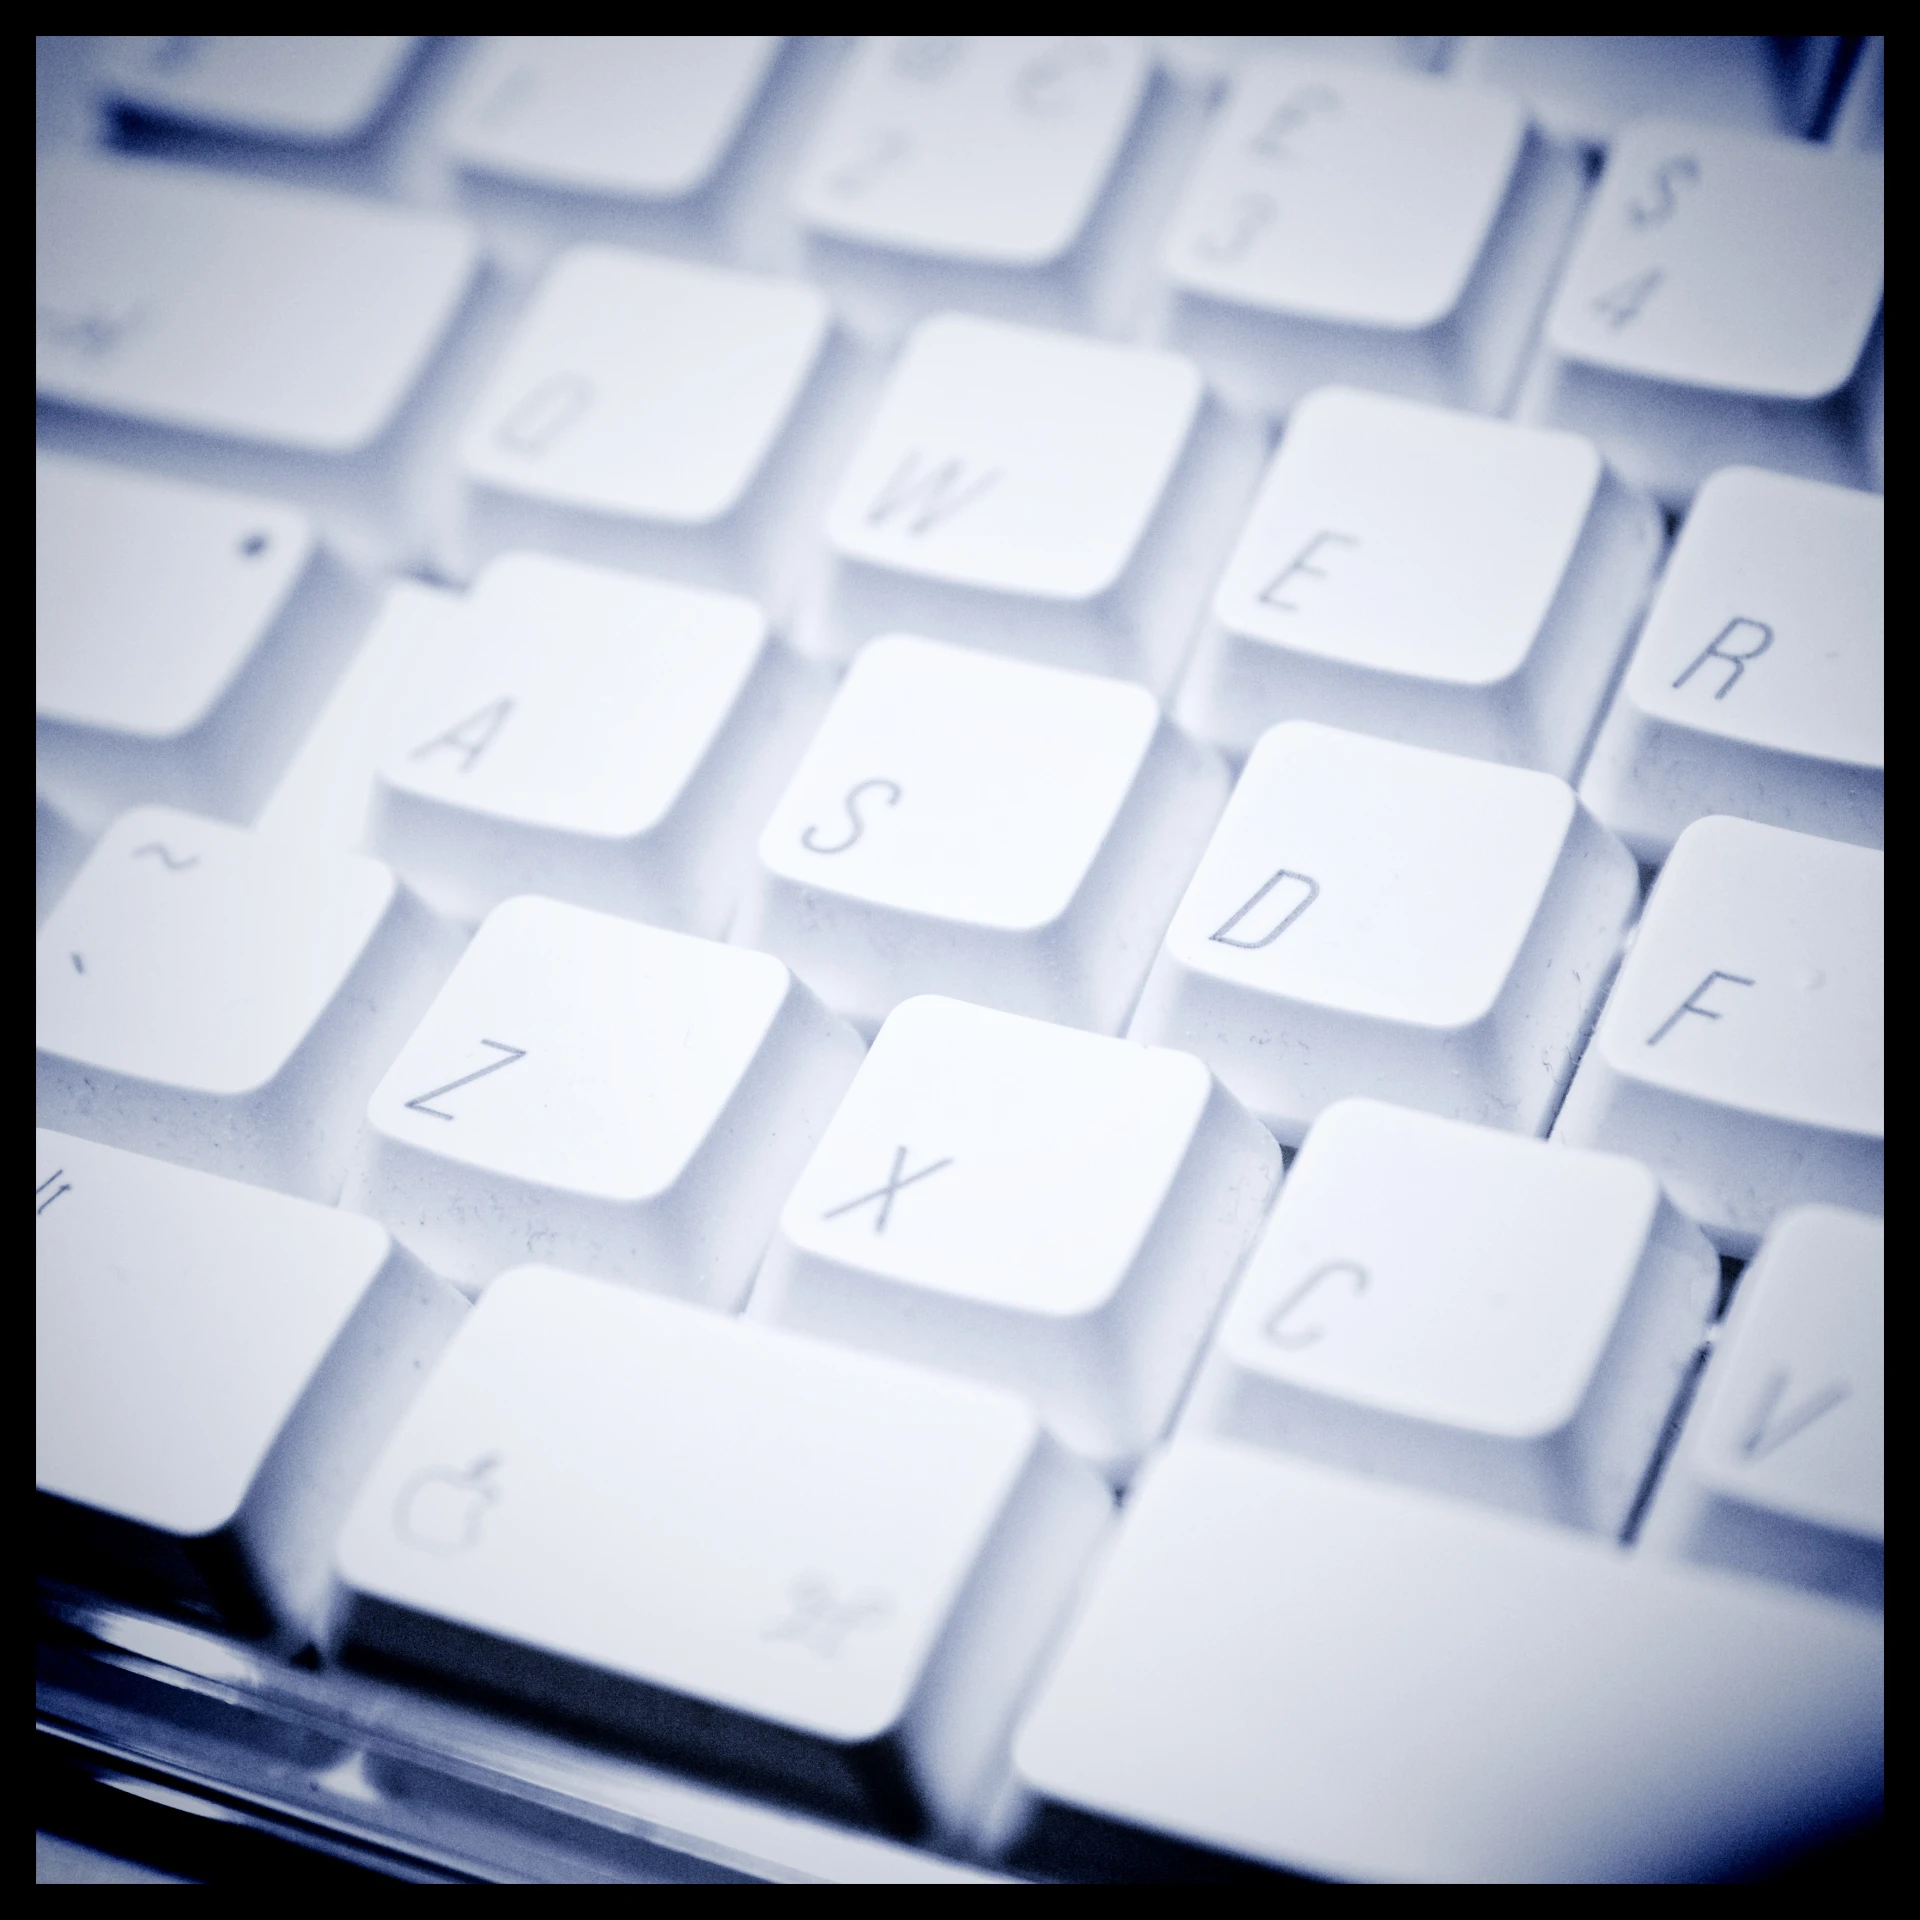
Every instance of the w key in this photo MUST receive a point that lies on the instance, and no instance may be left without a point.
(1036, 494)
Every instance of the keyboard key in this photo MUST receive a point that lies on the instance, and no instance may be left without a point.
(598, 738)
(58, 849)
(223, 1001)
(1490, 1317)
(1378, 919)
(318, 89)
(1739, 1054)
(1427, 576)
(990, 149)
(1345, 224)
(1782, 1467)
(636, 406)
(1043, 1208)
(814, 1572)
(215, 1368)
(235, 307)
(177, 634)
(1586, 87)
(1352, 1680)
(633, 1101)
(1004, 833)
(1757, 685)
(1720, 295)
(1016, 490)
(648, 116)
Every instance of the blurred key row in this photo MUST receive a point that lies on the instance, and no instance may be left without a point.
(1714, 300)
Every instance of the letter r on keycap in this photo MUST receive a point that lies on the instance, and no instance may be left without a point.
(1716, 649)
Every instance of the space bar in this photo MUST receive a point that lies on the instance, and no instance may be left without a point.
(1345, 1679)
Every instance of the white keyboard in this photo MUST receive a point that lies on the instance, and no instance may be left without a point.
(960, 959)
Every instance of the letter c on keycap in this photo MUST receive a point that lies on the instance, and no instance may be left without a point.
(1294, 1338)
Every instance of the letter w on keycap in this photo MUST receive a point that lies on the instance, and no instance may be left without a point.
(924, 498)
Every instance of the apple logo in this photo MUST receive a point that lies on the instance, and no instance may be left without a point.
(440, 1508)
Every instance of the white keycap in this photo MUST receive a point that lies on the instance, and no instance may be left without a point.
(1009, 834)
(1720, 294)
(632, 1101)
(1757, 684)
(987, 149)
(634, 410)
(1860, 120)
(1427, 576)
(222, 1001)
(627, 114)
(176, 635)
(599, 738)
(1490, 1317)
(1739, 1054)
(822, 1571)
(1377, 919)
(236, 307)
(1348, 224)
(1047, 1209)
(325, 797)
(1036, 494)
(312, 88)
(58, 849)
(1356, 1681)
(215, 1368)
(1586, 87)
(1781, 1470)
(1008, 175)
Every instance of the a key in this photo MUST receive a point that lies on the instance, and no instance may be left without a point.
(1427, 576)
(1586, 87)
(1047, 1209)
(1344, 224)
(646, 116)
(634, 411)
(632, 1101)
(1757, 684)
(216, 999)
(1715, 308)
(598, 738)
(1385, 920)
(179, 634)
(234, 307)
(313, 89)
(215, 1368)
(1356, 1681)
(819, 1573)
(1036, 494)
(1739, 1054)
(1490, 1317)
(966, 171)
(324, 799)
(1009, 834)
(1781, 1470)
